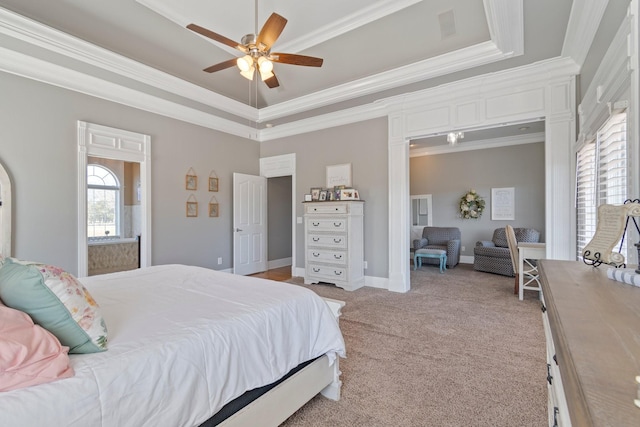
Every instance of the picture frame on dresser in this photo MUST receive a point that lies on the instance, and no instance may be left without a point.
(315, 193)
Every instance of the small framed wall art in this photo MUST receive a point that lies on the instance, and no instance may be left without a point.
(213, 182)
(191, 180)
(214, 208)
(192, 206)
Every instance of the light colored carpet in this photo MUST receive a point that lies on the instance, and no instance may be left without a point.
(459, 349)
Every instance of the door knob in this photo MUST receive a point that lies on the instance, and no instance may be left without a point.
(237, 229)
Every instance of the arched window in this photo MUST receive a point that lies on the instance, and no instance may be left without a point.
(103, 203)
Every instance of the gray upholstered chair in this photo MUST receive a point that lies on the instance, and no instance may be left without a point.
(445, 238)
(494, 257)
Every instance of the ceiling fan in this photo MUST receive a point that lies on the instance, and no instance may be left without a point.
(257, 50)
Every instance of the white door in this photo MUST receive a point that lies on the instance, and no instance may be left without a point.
(249, 224)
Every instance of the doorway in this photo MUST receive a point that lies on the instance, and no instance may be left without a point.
(279, 220)
(118, 145)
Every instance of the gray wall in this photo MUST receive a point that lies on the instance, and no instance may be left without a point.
(279, 217)
(449, 176)
(38, 147)
(364, 145)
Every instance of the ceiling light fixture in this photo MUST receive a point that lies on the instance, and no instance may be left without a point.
(453, 137)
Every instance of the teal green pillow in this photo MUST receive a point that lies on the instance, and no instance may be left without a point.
(55, 300)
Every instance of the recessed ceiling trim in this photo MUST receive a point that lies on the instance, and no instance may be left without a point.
(506, 24)
(26, 66)
(584, 21)
(461, 59)
(347, 23)
(478, 145)
(37, 34)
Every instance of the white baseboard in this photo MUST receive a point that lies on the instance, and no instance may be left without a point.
(466, 259)
(277, 263)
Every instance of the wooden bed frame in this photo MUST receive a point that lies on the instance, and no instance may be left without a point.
(274, 407)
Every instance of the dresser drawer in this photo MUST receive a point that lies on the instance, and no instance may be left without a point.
(326, 272)
(326, 209)
(326, 224)
(332, 241)
(330, 256)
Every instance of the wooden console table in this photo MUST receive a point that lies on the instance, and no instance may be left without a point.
(592, 325)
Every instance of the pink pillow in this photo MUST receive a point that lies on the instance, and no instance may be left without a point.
(29, 354)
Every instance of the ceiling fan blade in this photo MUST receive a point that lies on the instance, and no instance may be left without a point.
(271, 31)
(272, 82)
(217, 37)
(290, 58)
(221, 66)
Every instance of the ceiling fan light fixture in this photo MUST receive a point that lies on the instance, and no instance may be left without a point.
(265, 65)
(265, 76)
(245, 63)
(248, 74)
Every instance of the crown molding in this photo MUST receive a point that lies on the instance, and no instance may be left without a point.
(37, 34)
(584, 22)
(532, 74)
(451, 62)
(479, 145)
(324, 121)
(27, 66)
(506, 25)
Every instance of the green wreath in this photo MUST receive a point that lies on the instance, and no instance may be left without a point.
(471, 205)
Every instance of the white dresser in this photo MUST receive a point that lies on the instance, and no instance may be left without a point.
(333, 241)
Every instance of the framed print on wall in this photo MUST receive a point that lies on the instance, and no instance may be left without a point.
(213, 184)
(503, 204)
(339, 175)
(191, 180)
(192, 209)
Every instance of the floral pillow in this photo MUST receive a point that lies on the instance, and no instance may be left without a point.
(55, 300)
(29, 354)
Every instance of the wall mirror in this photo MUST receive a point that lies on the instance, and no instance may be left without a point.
(421, 214)
(5, 213)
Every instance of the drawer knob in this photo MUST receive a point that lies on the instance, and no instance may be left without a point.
(338, 224)
(337, 240)
(556, 411)
(337, 256)
(549, 376)
(316, 239)
(543, 308)
(316, 254)
(316, 270)
(315, 224)
(337, 273)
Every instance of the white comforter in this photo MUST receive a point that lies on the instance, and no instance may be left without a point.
(183, 341)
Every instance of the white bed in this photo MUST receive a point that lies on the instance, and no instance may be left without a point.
(184, 341)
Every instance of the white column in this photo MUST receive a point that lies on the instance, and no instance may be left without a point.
(399, 244)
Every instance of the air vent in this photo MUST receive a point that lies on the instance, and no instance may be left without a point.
(447, 24)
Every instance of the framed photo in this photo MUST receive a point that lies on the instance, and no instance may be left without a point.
(339, 175)
(315, 194)
(349, 194)
(323, 195)
(214, 210)
(192, 182)
(503, 204)
(213, 184)
(192, 209)
(307, 197)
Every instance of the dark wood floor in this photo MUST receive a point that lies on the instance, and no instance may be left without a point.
(280, 274)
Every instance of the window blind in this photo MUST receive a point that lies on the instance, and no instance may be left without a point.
(601, 176)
